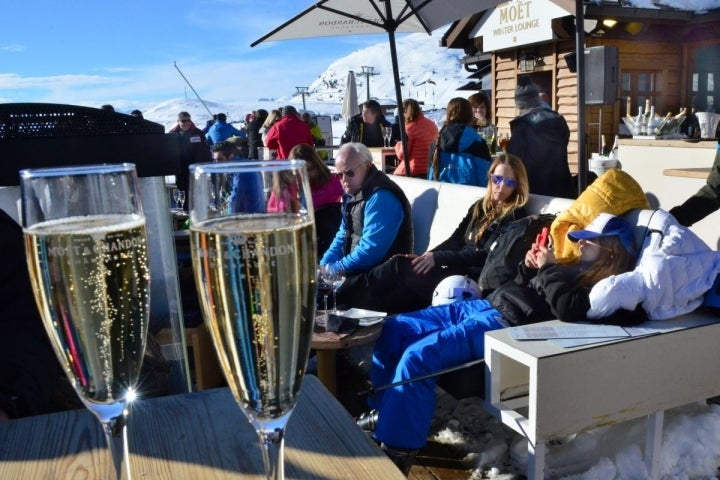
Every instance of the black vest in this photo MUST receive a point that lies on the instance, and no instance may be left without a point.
(354, 212)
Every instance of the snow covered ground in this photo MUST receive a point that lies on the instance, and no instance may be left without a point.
(690, 450)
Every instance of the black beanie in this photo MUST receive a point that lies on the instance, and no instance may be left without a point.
(526, 94)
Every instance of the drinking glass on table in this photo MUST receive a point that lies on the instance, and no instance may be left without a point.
(256, 278)
(503, 140)
(333, 274)
(87, 254)
(324, 289)
(387, 135)
(488, 134)
(180, 198)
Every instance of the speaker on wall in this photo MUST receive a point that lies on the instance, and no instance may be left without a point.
(601, 74)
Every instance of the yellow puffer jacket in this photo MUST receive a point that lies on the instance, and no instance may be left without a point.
(614, 192)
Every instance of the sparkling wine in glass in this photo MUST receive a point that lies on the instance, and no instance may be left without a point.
(255, 273)
(87, 253)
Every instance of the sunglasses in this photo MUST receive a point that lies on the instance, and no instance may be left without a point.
(350, 172)
(499, 179)
(184, 120)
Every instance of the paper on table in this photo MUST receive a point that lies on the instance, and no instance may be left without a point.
(545, 332)
(362, 313)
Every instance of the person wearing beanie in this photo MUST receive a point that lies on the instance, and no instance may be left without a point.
(540, 136)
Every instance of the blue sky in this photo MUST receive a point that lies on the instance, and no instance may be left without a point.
(91, 52)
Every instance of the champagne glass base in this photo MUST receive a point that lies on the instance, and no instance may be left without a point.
(272, 440)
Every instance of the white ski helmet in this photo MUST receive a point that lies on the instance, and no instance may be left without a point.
(456, 288)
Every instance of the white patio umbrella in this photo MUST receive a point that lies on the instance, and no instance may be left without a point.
(350, 101)
(327, 18)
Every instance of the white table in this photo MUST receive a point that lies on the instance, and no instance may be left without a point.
(545, 392)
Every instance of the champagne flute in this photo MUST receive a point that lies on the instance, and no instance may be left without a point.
(256, 278)
(324, 288)
(335, 276)
(86, 247)
(180, 198)
(176, 197)
(387, 134)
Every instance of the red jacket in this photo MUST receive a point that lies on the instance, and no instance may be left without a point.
(420, 134)
(287, 133)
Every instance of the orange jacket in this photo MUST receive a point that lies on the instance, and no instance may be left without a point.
(420, 134)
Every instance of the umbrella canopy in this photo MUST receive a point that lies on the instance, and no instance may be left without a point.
(355, 17)
(350, 102)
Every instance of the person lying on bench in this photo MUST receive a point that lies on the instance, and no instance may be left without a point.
(463, 253)
(429, 340)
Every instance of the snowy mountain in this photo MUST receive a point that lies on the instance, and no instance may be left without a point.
(429, 73)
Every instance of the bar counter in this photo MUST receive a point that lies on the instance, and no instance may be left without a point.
(201, 435)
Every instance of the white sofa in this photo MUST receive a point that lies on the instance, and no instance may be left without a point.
(438, 207)
(613, 381)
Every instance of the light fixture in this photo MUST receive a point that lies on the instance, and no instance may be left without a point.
(526, 63)
(633, 28)
(609, 22)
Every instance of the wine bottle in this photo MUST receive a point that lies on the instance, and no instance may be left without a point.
(663, 122)
(614, 150)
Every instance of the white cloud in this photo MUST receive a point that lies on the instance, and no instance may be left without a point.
(12, 48)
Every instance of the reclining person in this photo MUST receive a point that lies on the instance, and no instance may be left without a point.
(463, 253)
(429, 340)
(376, 223)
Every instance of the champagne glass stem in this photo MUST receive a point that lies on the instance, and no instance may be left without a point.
(335, 310)
(116, 437)
(273, 448)
(325, 300)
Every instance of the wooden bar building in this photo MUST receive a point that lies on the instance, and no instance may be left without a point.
(667, 56)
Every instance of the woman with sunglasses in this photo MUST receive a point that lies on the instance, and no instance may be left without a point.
(463, 253)
(427, 341)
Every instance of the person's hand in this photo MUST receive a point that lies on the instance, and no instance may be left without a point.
(531, 257)
(424, 263)
(544, 255)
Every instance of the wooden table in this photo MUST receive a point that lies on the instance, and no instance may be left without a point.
(327, 343)
(194, 436)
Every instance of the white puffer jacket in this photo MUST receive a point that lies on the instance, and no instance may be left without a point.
(674, 271)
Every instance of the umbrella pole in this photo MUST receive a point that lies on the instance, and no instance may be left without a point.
(580, 62)
(398, 92)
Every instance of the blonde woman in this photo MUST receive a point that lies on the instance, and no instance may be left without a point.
(463, 253)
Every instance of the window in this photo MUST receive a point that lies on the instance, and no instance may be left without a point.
(638, 86)
(704, 96)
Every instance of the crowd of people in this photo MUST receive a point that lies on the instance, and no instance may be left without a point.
(365, 229)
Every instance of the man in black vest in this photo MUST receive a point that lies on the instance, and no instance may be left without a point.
(376, 223)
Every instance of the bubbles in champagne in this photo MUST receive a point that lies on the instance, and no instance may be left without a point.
(255, 277)
(91, 281)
